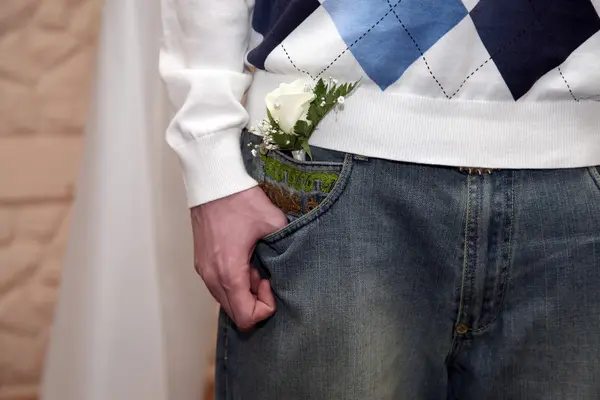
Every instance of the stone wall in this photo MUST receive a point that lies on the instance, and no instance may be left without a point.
(47, 50)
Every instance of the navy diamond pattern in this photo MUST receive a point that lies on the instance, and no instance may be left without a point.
(525, 39)
(276, 19)
(528, 38)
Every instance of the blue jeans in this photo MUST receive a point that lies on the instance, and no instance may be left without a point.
(403, 281)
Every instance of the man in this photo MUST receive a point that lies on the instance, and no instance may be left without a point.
(443, 240)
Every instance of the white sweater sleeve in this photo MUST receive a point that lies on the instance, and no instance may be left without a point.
(202, 64)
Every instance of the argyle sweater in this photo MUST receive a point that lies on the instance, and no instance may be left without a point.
(469, 83)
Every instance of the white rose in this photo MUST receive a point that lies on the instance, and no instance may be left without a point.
(289, 103)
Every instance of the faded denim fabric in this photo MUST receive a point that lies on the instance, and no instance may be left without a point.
(422, 282)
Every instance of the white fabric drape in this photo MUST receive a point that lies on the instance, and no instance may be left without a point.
(133, 320)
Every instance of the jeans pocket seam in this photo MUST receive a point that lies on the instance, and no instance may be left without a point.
(318, 211)
(309, 165)
(222, 381)
(595, 174)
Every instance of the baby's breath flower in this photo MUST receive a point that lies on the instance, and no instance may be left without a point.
(341, 100)
(254, 153)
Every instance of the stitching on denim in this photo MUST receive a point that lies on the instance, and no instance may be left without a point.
(455, 347)
(508, 264)
(307, 165)
(595, 173)
(294, 64)
(419, 49)
(457, 340)
(318, 211)
(567, 83)
(461, 306)
(224, 320)
(475, 230)
(358, 40)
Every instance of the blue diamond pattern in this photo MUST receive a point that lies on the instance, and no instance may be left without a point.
(387, 36)
(528, 38)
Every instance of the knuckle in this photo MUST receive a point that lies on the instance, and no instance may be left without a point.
(227, 275)
(232, 282)
(224, 276)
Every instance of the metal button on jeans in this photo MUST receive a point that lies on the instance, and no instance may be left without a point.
(461, 329)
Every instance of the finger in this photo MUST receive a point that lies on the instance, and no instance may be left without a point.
(254, 280)
(265, 304)
(237, 289)
(242, 303)
(250, 309)
(221, 298)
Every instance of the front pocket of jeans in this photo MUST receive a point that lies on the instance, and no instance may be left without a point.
(322, 183)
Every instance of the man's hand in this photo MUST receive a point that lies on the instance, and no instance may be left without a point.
(225, 234)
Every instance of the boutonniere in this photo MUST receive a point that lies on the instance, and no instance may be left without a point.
(294, 111)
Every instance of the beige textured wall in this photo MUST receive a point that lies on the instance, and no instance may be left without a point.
(47, 50)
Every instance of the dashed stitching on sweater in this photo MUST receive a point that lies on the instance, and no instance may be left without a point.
(539, 21)
(294, 64)
(358, 40)
(469, 76)
(500, 50)
(419, 49)
(568, 86)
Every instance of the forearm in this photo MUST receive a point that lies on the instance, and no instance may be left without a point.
(202, 65)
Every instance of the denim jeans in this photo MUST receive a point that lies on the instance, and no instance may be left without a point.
(403, 281)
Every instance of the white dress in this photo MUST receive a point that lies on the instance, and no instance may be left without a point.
(133, 320)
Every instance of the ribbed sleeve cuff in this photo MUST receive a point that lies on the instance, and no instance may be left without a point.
(213, 167)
